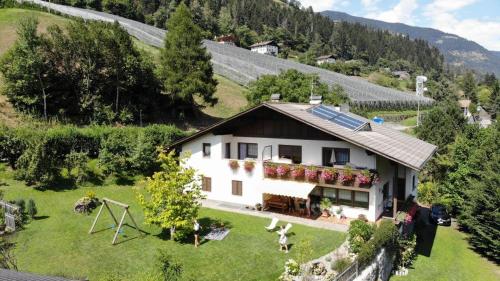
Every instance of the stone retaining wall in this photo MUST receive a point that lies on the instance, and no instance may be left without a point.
(379, 269)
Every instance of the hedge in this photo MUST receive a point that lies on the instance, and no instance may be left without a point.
(39, 155)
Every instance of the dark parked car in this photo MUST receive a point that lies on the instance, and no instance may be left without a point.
(439, 215)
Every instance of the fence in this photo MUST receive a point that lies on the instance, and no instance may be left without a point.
(349, 274)
(243, 66)
(10, 214)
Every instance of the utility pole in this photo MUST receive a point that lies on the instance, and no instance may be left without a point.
(420, 92)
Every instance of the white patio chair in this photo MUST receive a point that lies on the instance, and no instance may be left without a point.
(287, 227)
(272, 225)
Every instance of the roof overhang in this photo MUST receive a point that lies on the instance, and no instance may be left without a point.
(340, 136)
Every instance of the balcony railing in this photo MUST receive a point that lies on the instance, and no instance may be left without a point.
(321, 174)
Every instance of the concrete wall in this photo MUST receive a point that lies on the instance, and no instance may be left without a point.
(379, 269)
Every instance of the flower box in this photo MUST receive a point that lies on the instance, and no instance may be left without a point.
(282, 170)
(297, 172)
(311, 174)
(233, 164)
(346, 177)
(249, 165)
(270, 171)
(364, 179)
(328, 175)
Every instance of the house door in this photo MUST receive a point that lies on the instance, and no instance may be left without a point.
(401, 189)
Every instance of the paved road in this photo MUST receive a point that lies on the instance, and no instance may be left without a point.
(243, 66)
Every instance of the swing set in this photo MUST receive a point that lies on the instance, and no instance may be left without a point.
(105, 203)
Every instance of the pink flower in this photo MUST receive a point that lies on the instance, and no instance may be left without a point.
(282, 170)
(328, 175)
(270, 170)
(311, 174)
(297, 172)
(345, 177)
(363, 179)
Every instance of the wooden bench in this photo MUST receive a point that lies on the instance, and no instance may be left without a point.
(278, 205)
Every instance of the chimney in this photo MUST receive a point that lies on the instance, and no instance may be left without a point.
(315, 99)
(275, 97)
(344, 108)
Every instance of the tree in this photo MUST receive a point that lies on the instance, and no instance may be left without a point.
(225, 21)
(185, 68)
(293, 86)
(441, 124)
(469, 86)
(494, 101)
(173, 195)
(24, 70)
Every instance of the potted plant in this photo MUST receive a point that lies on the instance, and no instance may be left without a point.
(258, 207)
(346, 177)
(325, 205)
(270, 170)
(282, 170)
(249, 165)
(311, 174)
(297, 172)
(364, 178)
(328, 175)
(233, 164)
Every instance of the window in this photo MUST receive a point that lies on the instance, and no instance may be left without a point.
(237, 188)
(345, 197)
(228, 150)
(335, 156)
(206, 184)
(206, 150)
(247, 150)
(341, 156)
(361, 199)
(292, 152)
(330, 193)
(414, 180)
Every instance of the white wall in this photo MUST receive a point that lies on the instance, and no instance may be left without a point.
(217, 168)
(266, 50)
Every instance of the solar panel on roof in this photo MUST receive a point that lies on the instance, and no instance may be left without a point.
(336, 117)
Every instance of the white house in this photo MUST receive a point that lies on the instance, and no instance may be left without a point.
(310, 138)
(325, 59)
(265, 48)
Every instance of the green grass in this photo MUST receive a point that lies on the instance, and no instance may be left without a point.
(412, 121)
(451, 259)
(58, 242)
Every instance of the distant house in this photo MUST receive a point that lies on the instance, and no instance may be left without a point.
(483, 118)
(226, 40)
(326, 59)
(464, 106)
(265, 48)
(402, 75)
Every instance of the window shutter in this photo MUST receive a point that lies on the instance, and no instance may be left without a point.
(237, 188)
(206, 184)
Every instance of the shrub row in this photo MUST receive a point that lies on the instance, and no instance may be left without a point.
(39, 155)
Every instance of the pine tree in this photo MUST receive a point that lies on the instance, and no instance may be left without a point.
(469, 87)
(225, 21)
(185, 68)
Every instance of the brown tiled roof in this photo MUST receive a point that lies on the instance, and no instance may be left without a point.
(391, 144)
(264, 43)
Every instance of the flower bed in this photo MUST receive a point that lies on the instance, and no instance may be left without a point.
(328, 175)
(311, 174)
(297, 172)
(270, 171)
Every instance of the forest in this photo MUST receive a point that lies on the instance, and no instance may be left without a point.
(298, 30)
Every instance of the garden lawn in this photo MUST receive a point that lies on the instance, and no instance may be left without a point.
(451, 259)
(58, 243)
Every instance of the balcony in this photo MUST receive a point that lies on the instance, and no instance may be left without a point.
(344, 178)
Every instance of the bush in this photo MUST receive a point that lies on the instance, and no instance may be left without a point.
(170, 269)
(341, 264)
(76, 163)
(31, 209)
(359, 233)
(427, 193)
(385, 235)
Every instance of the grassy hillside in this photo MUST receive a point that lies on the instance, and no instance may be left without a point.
(231, 95)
